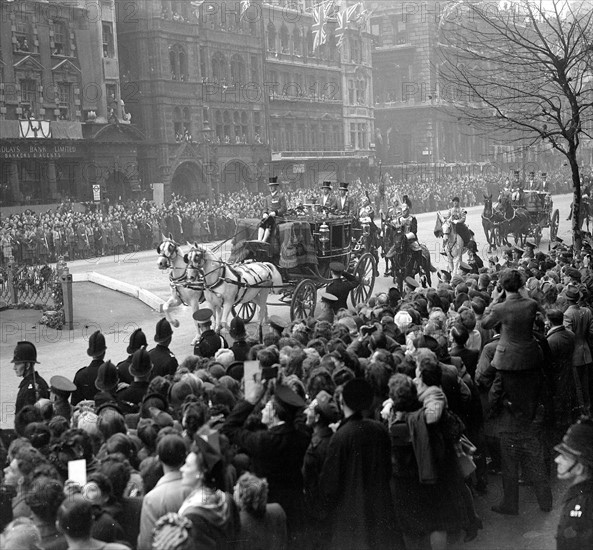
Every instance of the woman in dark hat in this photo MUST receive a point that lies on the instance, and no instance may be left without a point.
(33, 387)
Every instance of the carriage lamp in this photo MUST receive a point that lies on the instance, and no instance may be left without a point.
(324, 236)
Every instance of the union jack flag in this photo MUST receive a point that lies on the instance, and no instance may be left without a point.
(318, 28)
(245, 6)
(341, 29)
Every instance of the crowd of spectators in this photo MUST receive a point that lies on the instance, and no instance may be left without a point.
(369, 428)
(96, 230)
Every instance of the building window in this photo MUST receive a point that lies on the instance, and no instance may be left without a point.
(244, 127)
(187, 126)
(284, 40)
(226, 119)
(237, 69)
(257, 133)
(65, 100)
(301, 140)
(61, 38)
(108, 43)
(296, 42)
(178, 63)
(22, 24)
(254, 69)
(353, 135)
(205, 117)
(314, 137)
(362, 136)
(351, 92)
(271, 37)
(177, 124)
(29, 90)
(219, 128)
(203, 71)
(219, 68)
(361, 91)
(355, 55)
(310, 51)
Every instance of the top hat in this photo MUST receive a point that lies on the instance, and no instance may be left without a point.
(25, 352)
(337, 267)
(137, 340)
(516, 172)
(326, 185)
(97, 344)
(358, 394)
(578, 442)
(163, 331)
(203, 316)
(273, 180)
(532, 175)
(107, 377)
(544, 174)
(344, 185)
(141, 363)
(61, 384)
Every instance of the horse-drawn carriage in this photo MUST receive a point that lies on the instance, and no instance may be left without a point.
(294, 264)
(302, 248)
(541, 212)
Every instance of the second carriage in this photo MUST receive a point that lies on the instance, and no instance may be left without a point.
(540, 208)
(302, 248)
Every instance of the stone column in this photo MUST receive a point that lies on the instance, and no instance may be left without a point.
(51, 177)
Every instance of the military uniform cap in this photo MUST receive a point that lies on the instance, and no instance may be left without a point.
(203, 315)
(25, 352)
(327, 297)
(410, 281)
(519, 250)
(277, 323)
(163, 331)
(137, 340)
(285, 396)
(61, 384)
(465, 267)
(578, 442)
(529, 244)
(337, 267)
(97, 344)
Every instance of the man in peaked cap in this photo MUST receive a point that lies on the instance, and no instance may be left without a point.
(277, 324)
(344, 203)
(60, 389)
(274, 207)
(326, 309)
(209, 342)
(341, 286)
(32, 387)
(84, 379)
(574, 464)
(328, 199)
(163, 359)
(278, 452)
(356, 474)
(137, 340)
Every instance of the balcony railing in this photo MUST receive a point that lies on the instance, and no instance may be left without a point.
(295, 155)
(301, 58)
(304, 98)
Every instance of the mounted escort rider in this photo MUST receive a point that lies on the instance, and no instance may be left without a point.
(456, 217)
(366, 219)
(408, 225)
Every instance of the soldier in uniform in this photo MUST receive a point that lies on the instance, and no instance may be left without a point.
(32, 387)
(163, 360)
(575, 464)
(137, 340)
(84, 379)
(456, 216)
(344, 203)
(210, 342)
(274, 207)
(328, 199)
(60, 390)
(409, 225)
(341, 285)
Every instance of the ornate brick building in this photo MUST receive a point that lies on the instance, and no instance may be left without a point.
(64, 132)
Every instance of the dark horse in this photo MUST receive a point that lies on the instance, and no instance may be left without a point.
(405, 263)
(488, 221)
(515, 220)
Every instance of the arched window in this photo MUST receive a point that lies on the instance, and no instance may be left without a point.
(271, 37)
(219, 128)
(108, 43)
(177, 124)
(187, 126)
(310, 51)
(226, 118)
(244, 127)
(60, 39)
(296, 42)
(237, 126)
(173, 65)
(178, 62)
(182, 65)
(219, 67)
(284, 36)
(237, 69)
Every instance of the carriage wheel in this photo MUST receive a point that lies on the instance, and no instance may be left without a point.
(304, 299)
(554, 225)
(537, 235)
(245, 311)
(365, 270)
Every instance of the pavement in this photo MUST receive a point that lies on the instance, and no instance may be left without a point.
(117, 315)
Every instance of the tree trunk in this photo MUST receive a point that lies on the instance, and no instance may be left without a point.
(576, 202)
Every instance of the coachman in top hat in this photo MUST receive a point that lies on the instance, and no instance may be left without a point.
(275, 206)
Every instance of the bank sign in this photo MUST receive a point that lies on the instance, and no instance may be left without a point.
(38, 151)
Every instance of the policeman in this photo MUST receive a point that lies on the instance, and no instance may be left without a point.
(574, 464)
(60, 390)
(328, 199)
(274, 207)
(163, 359)
(137, 340)
(33, 387)
(210, 342)
(84, 379)
(341, 285)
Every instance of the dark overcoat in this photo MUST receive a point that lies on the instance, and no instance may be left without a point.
(355, 481)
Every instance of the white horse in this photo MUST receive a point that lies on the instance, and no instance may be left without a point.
(452, 242)
(183, 291)
(227, 285)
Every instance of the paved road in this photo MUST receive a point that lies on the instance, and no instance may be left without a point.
(117, 315)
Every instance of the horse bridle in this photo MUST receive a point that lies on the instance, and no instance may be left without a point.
(195, 267)
(168, 250)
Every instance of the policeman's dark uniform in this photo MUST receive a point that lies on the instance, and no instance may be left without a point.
(84, 379)
(575, 528)
(32, 387)
(163, 359)
(209, 342)
(342, 286)
(137, 340)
